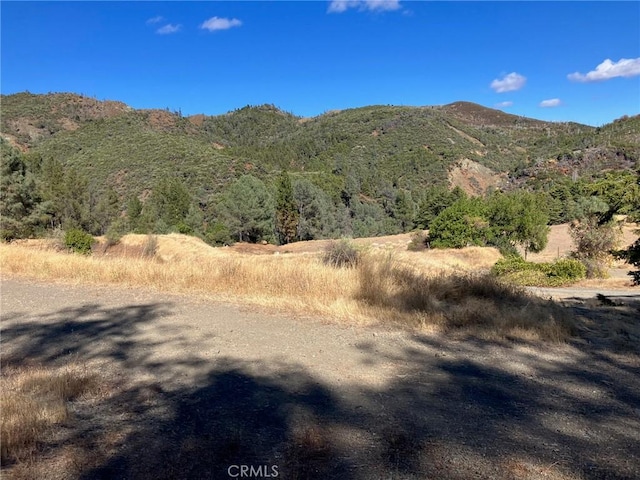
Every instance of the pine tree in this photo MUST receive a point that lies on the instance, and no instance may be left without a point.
(134, 211)
(22, 212)
(287, 215)
(168, 205)
(404, 212)
(247, 210)
(107, 210)
(317, 213)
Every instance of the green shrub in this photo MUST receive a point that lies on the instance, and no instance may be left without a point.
(511, 264)
(561, 272)
(531, 278)
(341, 254)
(183, 228)
(218, 234)
(567, 268)
(78, 241)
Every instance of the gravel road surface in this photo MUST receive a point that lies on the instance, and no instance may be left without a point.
(203, 387)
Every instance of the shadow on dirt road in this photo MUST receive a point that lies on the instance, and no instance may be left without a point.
(453, 409)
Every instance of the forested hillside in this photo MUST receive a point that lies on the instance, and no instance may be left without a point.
(104, 166)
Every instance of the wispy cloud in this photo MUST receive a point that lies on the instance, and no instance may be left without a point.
(154, 20)
(503, 104)
(509, 83)
(625, 67)
(168, 29)
(552, 102)
(339, 6)
(218, 23)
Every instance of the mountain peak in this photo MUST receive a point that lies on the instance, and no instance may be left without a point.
(480, 115)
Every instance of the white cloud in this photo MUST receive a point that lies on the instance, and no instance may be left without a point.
(509, 83)
(168, 29)
(552, 102)
(217, 23)
(154, 20)
(625, 67)
(339, 6)
(503, 104)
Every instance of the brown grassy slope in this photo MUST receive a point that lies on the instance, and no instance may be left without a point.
(433, 290)
(560, 243)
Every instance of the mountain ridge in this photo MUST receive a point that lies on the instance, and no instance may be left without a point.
(381, 146)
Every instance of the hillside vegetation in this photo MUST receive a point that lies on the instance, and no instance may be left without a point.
(101, 165)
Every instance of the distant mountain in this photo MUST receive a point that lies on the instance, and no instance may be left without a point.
(377, 147)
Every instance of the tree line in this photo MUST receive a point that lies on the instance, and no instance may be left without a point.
(39, 195)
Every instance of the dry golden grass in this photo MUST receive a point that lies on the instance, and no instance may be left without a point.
(560, 243)
(429, 290)
(473, 302)
(33, 401)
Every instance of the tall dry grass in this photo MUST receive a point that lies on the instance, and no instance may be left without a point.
(34, 400)
(476, 302)
(300, 282)
(404, 289)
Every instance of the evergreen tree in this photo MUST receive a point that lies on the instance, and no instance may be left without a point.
(168, 205)
(52, 187)
(22, 212)
(134, 211)
(66, 191)
(107, 210)
(369, 219)
(194, 221)
(248, 210)
(76, 201)
(317, 217)
(434, 201)
(404, 212)
(287, 215)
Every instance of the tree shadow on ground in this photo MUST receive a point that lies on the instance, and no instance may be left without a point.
(90, 331)
(448, 409)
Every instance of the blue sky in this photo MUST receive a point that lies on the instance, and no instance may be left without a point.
(560, 61)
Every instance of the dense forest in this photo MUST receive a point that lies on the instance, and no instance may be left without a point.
(259, 173)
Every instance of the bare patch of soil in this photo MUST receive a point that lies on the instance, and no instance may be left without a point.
(473, 178)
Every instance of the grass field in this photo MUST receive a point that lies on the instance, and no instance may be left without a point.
(436, 290)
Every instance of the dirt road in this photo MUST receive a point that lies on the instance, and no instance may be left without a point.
(586, 293)
(201, 388)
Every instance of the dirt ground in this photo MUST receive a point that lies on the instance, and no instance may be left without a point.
(559, 244)
(194, 389)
